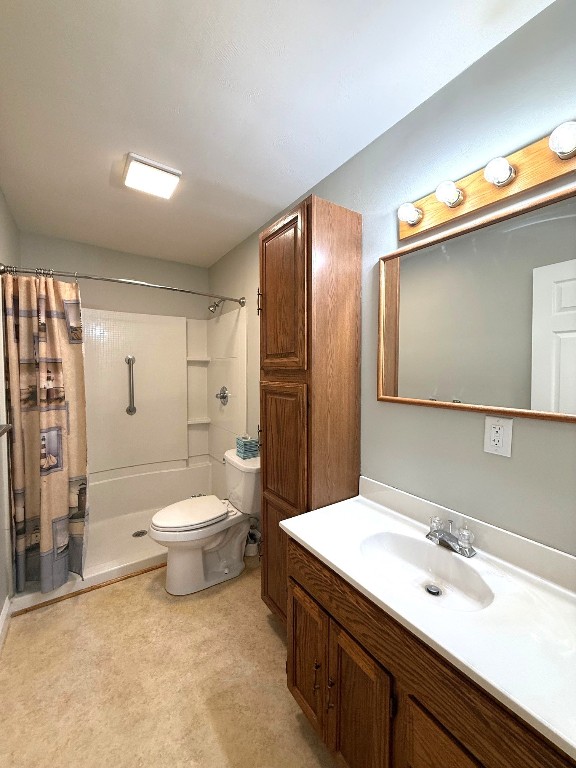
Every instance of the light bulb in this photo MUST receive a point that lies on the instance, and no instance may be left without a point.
(499, 172)
(409, 214)
(563, 140)
(448, 193)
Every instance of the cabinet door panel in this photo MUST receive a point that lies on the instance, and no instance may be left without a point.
(274, 550)
(283, 286)
(307, 654)
(358, 705)
(283, 417)
(429, 745)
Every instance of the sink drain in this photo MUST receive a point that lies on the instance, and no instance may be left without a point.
(432, 589)
(137, 534)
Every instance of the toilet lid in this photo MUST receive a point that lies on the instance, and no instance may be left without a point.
(189, 514)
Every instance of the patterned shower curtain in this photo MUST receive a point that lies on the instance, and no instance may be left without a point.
(48, 414)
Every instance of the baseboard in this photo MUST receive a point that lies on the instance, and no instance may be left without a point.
(4, 621)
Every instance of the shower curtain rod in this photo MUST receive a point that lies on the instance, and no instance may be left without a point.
(41, 272)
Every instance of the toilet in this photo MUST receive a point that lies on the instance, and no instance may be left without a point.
(205, 536)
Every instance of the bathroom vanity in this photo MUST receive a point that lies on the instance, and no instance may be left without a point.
(482, 676)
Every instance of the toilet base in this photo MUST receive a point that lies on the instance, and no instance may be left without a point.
(176, 585)
(193, 566)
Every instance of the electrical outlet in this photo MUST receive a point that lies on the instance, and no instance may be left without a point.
(498, 436)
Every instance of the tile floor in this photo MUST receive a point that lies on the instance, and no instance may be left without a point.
(128, 676)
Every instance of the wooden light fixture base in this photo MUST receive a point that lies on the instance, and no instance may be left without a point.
(535, 164)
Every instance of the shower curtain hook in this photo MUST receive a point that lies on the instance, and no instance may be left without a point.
(76, 277)
(52, 274)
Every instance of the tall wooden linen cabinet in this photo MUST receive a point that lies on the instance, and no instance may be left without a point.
(310, 282)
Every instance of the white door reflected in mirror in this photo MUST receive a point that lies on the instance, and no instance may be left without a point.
(554, 338)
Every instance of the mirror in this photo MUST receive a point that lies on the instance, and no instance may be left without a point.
(485, 320)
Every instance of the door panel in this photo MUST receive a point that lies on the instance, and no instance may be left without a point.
(429, 745)
(283, 286)
(307, 654)
(358, 705)
(274, 550)
(284, 443)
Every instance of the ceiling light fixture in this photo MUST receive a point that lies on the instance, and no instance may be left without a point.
(563, 140)
(499, 172)
(448, 193)
(409, 214)
(148, 176)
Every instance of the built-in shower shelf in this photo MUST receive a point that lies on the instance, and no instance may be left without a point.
(198, 360)
(203, 420)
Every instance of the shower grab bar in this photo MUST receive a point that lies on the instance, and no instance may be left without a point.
(5, 428)
(130, 360)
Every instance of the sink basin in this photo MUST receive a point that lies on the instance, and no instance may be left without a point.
(413, 565)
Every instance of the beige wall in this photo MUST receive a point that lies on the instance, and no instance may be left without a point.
(68, 256)
(8, 255)
(511, 97)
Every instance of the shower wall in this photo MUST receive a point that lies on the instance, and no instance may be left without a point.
(138, 461)
(227, 351)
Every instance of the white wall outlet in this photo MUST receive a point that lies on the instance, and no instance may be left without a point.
(498, 436)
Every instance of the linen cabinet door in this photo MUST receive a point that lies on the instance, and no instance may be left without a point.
(283, 453)
(307, 654)
(274, 579)
(358, 727)
(283, 301)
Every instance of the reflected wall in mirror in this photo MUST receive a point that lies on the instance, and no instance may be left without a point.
(486, 320)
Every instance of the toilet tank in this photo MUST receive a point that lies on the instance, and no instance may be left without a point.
(243, 483)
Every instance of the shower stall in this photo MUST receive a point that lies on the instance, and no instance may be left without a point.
(156, 430)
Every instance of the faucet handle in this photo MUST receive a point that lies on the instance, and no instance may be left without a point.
(436, 524)
(465, 536)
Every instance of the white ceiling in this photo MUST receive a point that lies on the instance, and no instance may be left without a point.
(255, 102)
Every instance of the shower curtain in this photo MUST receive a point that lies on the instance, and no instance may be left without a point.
(48, 461)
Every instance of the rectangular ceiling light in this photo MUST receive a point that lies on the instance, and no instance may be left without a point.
(151, 177)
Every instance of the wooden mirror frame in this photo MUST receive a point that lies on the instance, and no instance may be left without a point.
(389, 309)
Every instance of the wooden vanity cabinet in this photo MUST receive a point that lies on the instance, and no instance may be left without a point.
(310, 269)
(380, 697)
(344, 693)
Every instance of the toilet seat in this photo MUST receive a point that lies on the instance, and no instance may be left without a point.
(190, 514)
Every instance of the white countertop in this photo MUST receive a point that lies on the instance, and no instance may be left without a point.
(521, 648)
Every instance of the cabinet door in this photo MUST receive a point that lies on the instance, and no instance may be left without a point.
(274, 553)
(283, 285)
(427, 744)
(307, 654)
(283, 417)
(358, 708)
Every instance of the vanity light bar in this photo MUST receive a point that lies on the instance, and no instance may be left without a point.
(503, 177)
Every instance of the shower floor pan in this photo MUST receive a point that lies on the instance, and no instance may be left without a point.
(112, 552)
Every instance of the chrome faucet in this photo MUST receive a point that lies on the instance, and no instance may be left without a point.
(459, 542)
